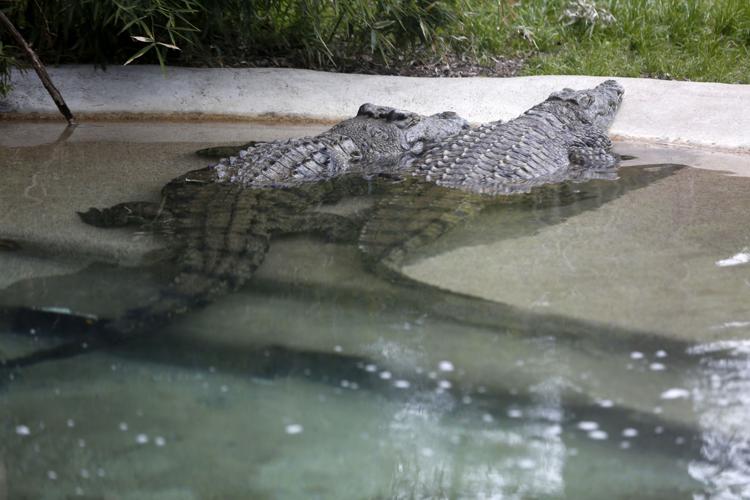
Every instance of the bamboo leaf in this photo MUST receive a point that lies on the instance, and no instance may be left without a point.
(137, 20)
(383, 24)
(140, 53)
(168, 45)
(162, 62)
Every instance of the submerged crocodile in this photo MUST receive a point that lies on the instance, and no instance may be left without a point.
(219, 225)
(215, 251)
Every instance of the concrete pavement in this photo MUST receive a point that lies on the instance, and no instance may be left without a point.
(710, 115)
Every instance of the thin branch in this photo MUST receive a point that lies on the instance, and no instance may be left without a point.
(40, 70)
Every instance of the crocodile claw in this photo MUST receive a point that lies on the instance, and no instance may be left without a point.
(92, 217)
(109, 217)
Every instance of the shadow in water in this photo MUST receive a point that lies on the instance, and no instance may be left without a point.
(450, 429)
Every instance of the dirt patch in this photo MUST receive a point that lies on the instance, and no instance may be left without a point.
(448, 66)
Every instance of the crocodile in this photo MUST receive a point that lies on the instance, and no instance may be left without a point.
(217, 235)
(562, 138)
(218, 221)
(377, 137)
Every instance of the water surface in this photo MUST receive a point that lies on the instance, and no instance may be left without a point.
(626, 375)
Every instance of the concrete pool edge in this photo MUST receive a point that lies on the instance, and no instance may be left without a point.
(707, 115)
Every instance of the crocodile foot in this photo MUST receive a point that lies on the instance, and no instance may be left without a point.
(121, 215)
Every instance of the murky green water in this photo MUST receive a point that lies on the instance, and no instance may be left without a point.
(620, 367)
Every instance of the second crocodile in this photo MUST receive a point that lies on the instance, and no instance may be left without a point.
(369, 143)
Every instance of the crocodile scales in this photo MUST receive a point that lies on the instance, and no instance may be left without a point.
(369, 143)
(553, 141)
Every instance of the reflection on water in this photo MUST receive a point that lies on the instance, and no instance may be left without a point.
(722, 400)
(322, 380)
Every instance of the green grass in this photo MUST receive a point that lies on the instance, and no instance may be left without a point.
(704, 40)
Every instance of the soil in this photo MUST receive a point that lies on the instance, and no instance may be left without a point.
(450, 66)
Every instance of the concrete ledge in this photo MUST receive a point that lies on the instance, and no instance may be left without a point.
(701, 114)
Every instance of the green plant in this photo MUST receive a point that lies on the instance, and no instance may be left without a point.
(103, 31)
(687, 39)
(323, 33)
(157, 23)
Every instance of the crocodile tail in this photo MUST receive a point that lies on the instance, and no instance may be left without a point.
(288, 162)
(191, 289)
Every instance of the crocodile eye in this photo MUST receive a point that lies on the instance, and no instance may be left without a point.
(397, 115)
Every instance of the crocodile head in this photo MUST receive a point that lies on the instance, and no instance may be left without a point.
(384, 134)
(596, 106)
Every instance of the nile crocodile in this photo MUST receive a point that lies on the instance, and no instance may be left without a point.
(221, 218)
(218, 221)
(366, 144)
(562, 138)
(217, 250)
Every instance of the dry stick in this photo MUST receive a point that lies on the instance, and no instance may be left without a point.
(40, 70)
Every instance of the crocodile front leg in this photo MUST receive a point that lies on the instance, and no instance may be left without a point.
(136, 213)
(591, 149)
